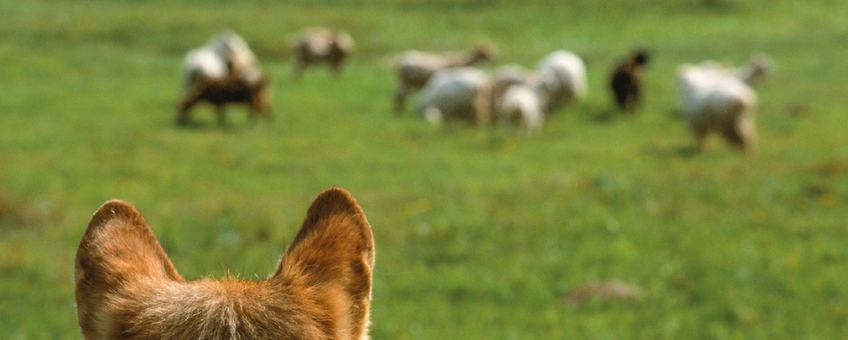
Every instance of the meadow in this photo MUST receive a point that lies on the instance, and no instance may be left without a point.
(480, 232)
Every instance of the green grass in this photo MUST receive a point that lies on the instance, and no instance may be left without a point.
(479, 232)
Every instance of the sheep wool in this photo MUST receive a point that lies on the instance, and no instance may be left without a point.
(415, 68)
(716, 100)
(523, 105)
(563, 76)
(457, 94)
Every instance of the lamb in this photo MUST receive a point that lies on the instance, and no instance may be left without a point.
(714, 99)
(457, 94)
(322, 45)
(563, 76)
(626, 81)
(415, 69)
(224, 71)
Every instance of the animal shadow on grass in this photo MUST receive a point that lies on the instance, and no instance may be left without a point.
(605, 116)
(205, 120)
(669, 151)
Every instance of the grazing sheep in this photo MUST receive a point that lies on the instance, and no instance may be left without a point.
(563, 75)
(461, 94)
(322, 45)
(518, 98)
(503, 78)
(523, 105)
(626, 81)
(224, 71)
(714, 99)
(416, 68)
(233, 89)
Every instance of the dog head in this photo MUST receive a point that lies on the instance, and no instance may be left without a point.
(127, 287)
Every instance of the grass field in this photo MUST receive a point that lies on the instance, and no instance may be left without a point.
(480, 232)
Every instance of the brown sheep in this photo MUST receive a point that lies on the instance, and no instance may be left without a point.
(231, 89)
(626, 81)
(322, 45)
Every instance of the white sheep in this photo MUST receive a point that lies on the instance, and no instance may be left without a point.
(234, 49)
(518, 98)
(203, 63)
(415, 68)
(322, 45)
(503, 78)
(457, 94)
(523, 105)
(563, 75)
(714, 99)
(227, 53)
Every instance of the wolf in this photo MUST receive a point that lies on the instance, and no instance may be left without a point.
(127, 287)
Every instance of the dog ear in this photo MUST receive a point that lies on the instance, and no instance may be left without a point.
(118, 249)
(333, 256)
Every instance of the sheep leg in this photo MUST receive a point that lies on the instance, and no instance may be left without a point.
(700, 138)
(185, 106)
(222, 115)
(337, 68)
(481, 106)
(256, 112)
(621, 101)
(299, 66)
(740, 135)
(400, 98)
(269, 115)
(633, 100)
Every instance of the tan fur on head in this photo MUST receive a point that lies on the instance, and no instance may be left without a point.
(127, 288)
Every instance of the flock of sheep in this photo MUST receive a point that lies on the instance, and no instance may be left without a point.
(714, 98)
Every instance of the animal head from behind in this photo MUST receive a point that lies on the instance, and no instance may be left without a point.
(127, 287)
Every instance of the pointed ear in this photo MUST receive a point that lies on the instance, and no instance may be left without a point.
(118, 249)
(334, 253)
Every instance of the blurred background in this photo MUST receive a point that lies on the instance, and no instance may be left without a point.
(602, 225)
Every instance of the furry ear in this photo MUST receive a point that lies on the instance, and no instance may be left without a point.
(333, 253)
(118, 248)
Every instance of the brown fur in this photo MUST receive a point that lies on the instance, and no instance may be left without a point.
(626, 81)
(127, 288)
(232, 89)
